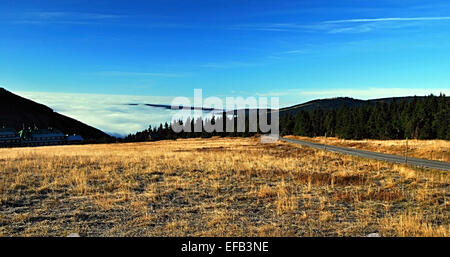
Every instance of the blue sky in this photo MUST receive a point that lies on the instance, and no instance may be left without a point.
(297, 50)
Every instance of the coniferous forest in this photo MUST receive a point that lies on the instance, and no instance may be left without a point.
(418, 118)
(165, 131)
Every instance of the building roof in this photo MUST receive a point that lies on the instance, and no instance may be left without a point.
(75, 138)
(7, 131)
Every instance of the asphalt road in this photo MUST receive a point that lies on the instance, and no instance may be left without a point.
(373, 155)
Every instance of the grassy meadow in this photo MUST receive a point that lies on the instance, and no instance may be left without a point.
(438, 150)
(215, 187)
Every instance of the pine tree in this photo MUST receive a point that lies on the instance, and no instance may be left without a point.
(303, 124)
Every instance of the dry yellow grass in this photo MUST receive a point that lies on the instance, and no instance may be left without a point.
(214, 187)
(438, 150)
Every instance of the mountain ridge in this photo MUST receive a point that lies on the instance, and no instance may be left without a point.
(17, 112)
(330, 103)
(338, 102)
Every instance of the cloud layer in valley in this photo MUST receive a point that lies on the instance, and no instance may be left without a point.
(110, 113)
(120, 115)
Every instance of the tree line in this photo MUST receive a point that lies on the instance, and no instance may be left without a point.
(165, 131)
(420, 118)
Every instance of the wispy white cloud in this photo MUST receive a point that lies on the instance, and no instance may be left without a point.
(367, 25)
(58, 17)
(86, 18)
(359, 25)
(286, 27)
(390, 19)
(295, 52)
(298, 51)
(230, 65)
(73, 15)
(139, 74)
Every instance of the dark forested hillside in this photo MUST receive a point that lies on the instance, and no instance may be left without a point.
(338, 102)
(421, 118)
(324, 104)
(16, 111)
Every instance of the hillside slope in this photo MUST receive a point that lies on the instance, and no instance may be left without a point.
(16, 111)
(330, 103)
(338, 102)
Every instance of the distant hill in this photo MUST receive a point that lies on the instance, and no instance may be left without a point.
(396, 118)
(16, 111)
(338, 102)
(331, 103)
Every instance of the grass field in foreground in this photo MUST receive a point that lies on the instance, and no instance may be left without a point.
(438, 150)
(215, 187)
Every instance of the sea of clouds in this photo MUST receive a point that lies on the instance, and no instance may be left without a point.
(111, 113)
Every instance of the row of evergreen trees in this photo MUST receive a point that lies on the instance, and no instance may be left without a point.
(420, 118)
(165, 131)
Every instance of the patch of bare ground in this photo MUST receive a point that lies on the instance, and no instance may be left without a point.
(214, 187)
